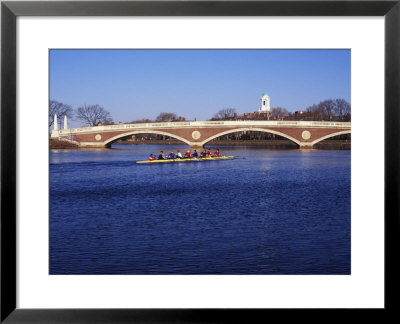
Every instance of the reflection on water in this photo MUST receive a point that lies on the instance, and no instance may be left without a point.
(265, 212)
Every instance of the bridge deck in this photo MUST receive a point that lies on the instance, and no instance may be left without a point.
(195, 124)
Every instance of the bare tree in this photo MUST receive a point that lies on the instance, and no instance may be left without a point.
(279, 113)
(225, 113)
(342, 110)
(329, 109)
(315, 112)
(59, 109)
(93, 114)
(337, 109)
(166, 117)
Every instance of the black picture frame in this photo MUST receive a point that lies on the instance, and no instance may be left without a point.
(10, 10)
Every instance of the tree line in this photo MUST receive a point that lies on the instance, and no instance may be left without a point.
(327, 110)
(162, 117)
(90, 115)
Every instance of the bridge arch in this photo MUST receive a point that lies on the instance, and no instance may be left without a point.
(251, 129)
(149, 131)
(348, 131)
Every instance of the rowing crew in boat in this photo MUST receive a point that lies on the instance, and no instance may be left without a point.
(187, 155)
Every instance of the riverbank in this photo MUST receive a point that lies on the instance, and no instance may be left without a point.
(269, 144)
(55, 144)
(333, 145)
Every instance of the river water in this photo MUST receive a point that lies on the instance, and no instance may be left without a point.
(265, 212)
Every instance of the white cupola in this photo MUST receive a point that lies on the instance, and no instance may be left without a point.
(265, 103)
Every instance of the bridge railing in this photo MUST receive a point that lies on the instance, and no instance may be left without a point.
(226, 123)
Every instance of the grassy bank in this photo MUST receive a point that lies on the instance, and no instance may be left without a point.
(55, 144)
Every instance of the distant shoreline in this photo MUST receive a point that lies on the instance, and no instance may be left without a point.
(275, 144)
(269, 144)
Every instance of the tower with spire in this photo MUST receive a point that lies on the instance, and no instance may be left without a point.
(265, 103)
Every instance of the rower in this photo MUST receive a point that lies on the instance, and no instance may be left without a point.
(178, 155)
(152, 157)
(161, 156)
(217, 153)
(187, 154)
(171, 155)
(195, 154)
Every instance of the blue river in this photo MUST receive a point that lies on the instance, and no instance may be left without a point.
(264, 212)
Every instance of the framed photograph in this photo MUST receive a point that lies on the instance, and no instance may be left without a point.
(198, 161)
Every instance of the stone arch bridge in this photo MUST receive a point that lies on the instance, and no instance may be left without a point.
(197, 133)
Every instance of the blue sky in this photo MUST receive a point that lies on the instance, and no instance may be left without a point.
(135, 84)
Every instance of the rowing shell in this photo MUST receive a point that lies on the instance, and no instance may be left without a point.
(188, 160)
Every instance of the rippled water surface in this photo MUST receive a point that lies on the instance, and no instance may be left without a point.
(265, 212)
